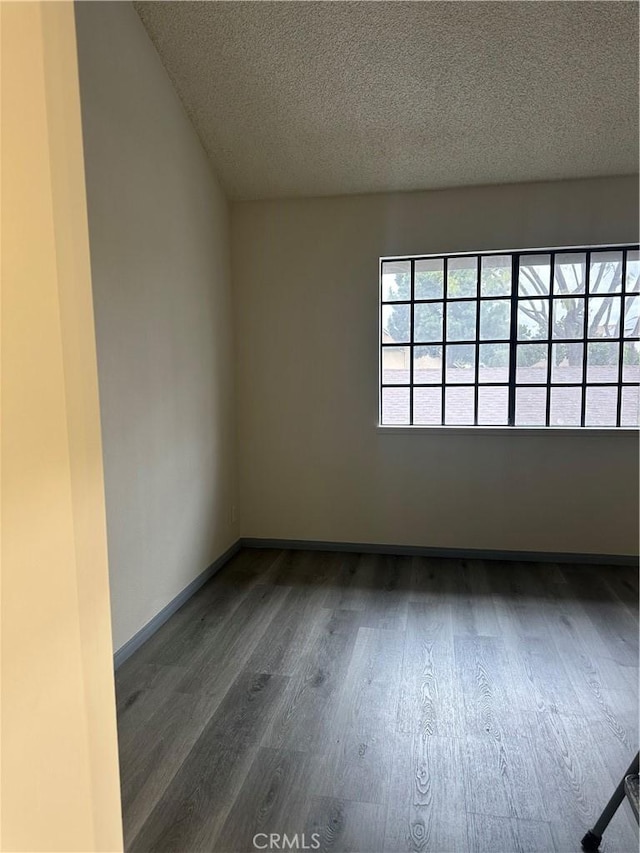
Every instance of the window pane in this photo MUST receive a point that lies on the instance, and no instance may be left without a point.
(566, 362)
(630, 411)
(533, 319)
(569, 272)
(535, 274)
(604, 317)
(459, 405)
(531, 364)
(495, 319)
(461, 321)
(531, 406)
(568, 318)
(605, 275)
(493, 365)
(396, 324)
(427, 406)
(495, 279)
(395, 365)
(462, 277)
(395, 405)
(429, 279)
(602, 362)
(559, 297)
(566, 406)
(396, 280)
(428, 322)
(633, 271)
(601, 408)
(427, 365)
(632, 317)
(493, 406)
(631, 362)
(461, 362)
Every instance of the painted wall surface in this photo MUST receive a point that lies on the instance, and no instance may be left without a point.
(312, 464)
(158, 227)
(60, 781)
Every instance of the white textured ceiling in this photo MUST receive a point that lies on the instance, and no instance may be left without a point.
(325, 98)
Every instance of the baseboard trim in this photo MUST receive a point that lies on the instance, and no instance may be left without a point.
(456, 553)
(141, 637)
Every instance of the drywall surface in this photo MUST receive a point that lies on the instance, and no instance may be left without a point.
(158, 228)
(312, 464)
(60, 786)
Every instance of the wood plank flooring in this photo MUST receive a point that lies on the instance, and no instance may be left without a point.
(380, 703)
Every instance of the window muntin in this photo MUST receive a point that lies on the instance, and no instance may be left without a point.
(531, 338)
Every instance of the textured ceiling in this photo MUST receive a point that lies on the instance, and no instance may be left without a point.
(325, 98)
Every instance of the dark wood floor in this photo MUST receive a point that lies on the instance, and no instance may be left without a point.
(385, 703)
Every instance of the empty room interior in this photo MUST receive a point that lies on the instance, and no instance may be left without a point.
(320, 385)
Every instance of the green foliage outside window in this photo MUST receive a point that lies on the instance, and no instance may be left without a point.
(568, 320)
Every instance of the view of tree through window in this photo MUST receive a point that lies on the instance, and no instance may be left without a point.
(540, 338)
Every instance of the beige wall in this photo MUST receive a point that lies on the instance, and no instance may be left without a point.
(158, 226)
(312, 464)
(60, 788)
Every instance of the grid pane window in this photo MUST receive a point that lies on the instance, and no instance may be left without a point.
(462, 278)
(427, 322)
(429, 282)
(461, 321)
(532, 338)
(495, 277)
(632, 277)
(534, 275)
(567, 363)
(493, 363)
(569, 273)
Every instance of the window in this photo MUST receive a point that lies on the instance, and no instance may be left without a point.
(530, 338)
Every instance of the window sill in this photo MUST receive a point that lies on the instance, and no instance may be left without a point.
(593, 432)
